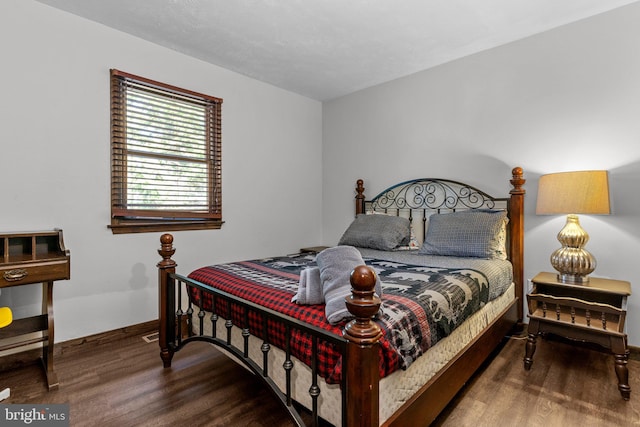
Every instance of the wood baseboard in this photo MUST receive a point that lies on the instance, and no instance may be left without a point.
(29, 357)
(136, 330)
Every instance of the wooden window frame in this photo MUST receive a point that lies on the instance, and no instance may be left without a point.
(130, 219)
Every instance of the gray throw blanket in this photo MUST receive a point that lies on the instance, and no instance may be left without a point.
(309, 287)
(335, 266)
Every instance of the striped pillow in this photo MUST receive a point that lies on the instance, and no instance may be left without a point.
(473, 233)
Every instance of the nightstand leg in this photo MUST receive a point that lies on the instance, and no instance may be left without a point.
(529, 350)
(622, 372)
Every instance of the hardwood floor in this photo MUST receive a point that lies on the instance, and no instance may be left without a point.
(567, 386)
(117, 379)
(122, 383)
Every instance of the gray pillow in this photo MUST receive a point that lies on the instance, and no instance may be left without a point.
(382, 232)
(474, 233)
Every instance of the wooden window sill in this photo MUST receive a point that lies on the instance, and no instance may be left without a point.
(146, 226)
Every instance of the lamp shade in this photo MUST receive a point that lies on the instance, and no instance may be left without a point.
(583, 192)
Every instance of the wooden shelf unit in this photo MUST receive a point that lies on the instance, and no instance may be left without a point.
(27, 258)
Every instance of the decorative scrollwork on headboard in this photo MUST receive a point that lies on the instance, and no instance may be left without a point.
(432, 194)
(418, 199)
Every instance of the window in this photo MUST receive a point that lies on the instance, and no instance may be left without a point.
(166, 148)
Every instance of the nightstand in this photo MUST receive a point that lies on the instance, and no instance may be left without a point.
(593, 312)
(313, 249)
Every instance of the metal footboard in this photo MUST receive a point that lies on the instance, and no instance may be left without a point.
(358, 345)
(188, 325)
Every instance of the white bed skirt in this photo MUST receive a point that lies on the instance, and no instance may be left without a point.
(395, 389)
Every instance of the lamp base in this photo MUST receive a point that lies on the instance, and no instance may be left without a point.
(572, 261)
(573, 279)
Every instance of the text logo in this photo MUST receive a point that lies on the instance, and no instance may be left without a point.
(34, 415)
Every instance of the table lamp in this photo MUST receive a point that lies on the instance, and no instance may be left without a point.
(572, 193)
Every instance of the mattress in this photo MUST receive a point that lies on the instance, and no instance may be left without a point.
(421, 303)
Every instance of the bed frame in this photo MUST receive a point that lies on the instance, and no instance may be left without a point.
(359, 343)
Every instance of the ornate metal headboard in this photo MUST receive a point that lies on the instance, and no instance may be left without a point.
(419, 198)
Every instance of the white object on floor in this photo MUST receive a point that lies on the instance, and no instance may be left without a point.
(4, 394)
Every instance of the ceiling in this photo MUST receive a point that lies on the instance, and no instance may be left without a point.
(324, 49)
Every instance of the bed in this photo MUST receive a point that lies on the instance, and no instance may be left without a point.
(399, 349)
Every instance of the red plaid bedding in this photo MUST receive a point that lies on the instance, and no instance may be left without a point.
(420, 306)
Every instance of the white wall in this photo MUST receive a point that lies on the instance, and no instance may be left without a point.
(54, 164)
(567, 99)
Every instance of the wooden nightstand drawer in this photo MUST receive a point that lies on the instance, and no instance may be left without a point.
(23, 274)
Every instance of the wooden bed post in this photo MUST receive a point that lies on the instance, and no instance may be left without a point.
(359, 197)
(166, 298)
(516, 220)
(363, 336)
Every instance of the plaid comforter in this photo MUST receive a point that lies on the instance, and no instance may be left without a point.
(421, 305)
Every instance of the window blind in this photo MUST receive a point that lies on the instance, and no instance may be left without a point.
(165, 151)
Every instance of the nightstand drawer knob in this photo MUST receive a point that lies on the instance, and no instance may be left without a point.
(15, 275)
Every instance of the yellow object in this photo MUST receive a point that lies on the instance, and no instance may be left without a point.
(6, 317)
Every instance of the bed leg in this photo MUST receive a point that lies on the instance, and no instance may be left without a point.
(516, 224)
(166, 298)
(363, 334)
